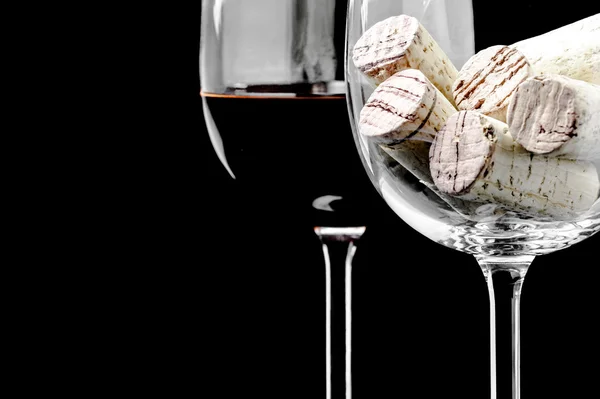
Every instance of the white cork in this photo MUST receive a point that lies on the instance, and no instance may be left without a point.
(488, 79)
(399, 43)
(557, 115)
(474, 157)
(406, 105)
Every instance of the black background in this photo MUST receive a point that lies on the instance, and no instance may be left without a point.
(420, 309)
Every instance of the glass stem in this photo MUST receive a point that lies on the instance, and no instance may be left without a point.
(339, 247)
(505, 276)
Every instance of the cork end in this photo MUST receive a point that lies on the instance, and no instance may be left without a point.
(542, 127)
(486, 82)
(461, 152)
(396, 109)
(381, 50)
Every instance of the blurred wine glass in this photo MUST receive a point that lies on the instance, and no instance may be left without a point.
(274, 104)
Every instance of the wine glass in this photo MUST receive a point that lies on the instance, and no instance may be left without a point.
(416, 137)
(273, 97)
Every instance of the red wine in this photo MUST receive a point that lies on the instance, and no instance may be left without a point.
(286, 151)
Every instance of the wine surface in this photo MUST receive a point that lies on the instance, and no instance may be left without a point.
(292, 153)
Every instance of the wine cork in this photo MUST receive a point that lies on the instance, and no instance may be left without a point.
(398, 43)
(405, 106)
(572, 50)
(557, 115)
(475, 158)
(488, 79)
